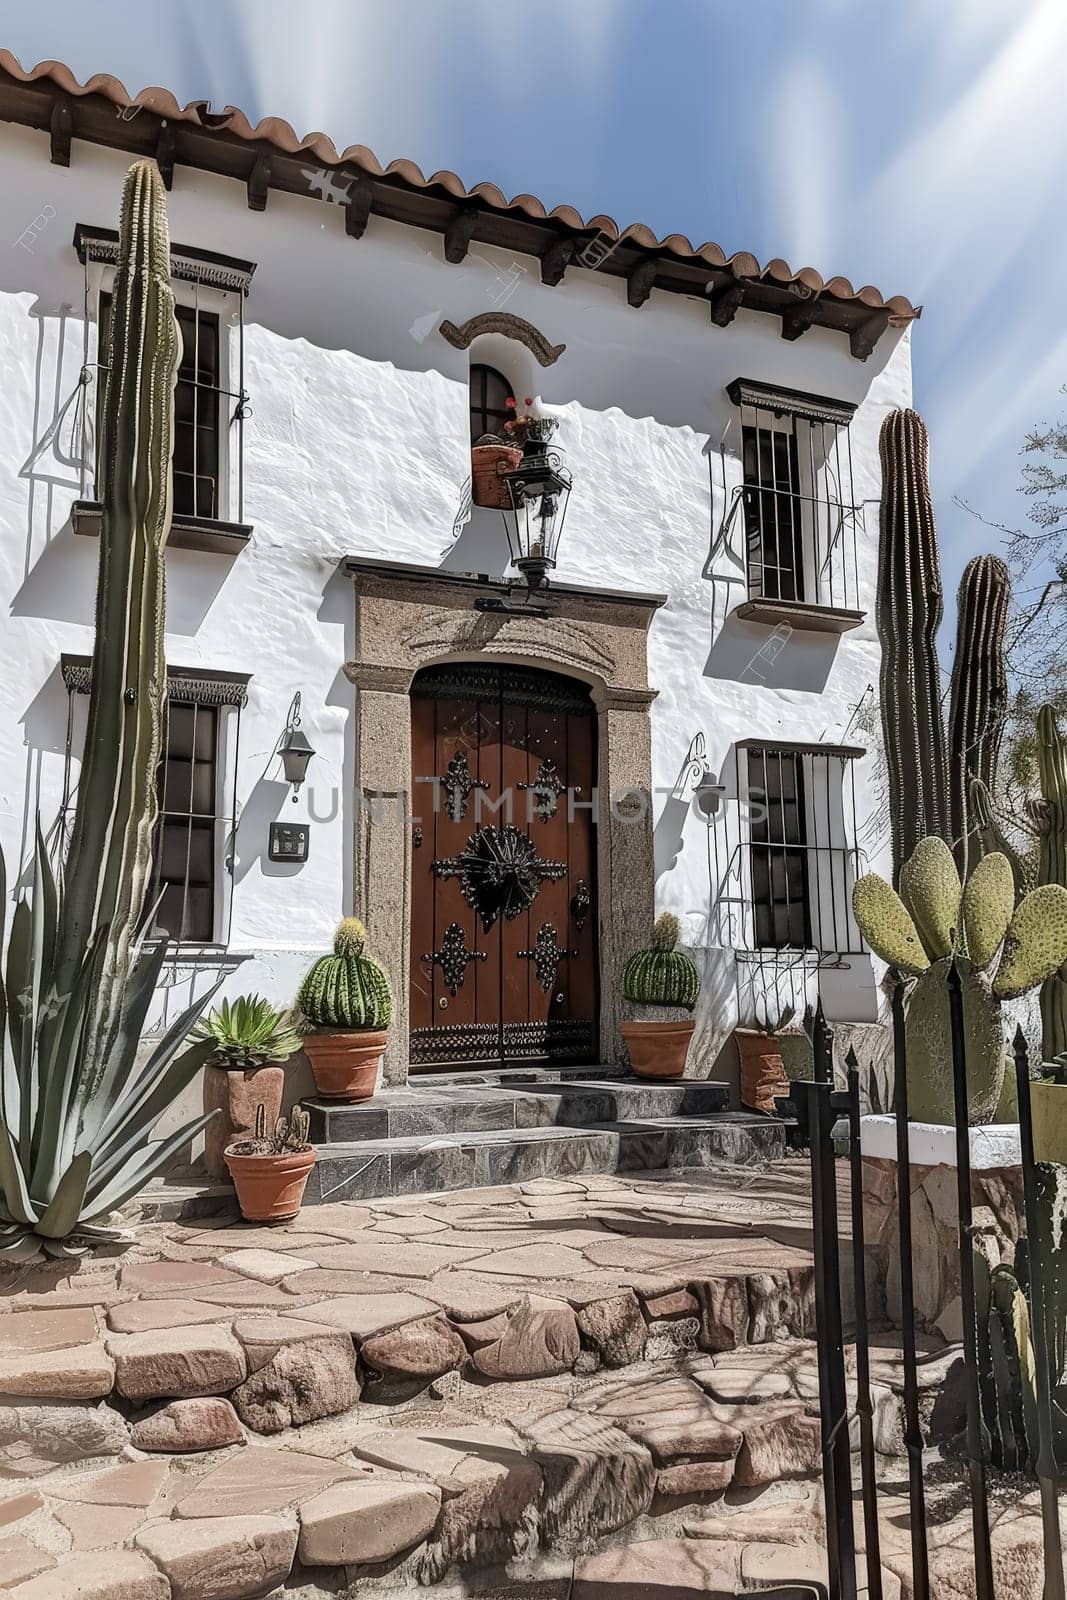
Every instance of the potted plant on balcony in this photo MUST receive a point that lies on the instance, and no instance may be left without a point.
(492, 456)
(270, 1173)
(660, 978)
(763, 1078)
(244, 1072)
(346, 1001)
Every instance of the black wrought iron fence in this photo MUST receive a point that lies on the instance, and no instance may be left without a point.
(822, 1104)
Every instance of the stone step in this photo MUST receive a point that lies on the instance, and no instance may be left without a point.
(365, 1169)
(447, 1107)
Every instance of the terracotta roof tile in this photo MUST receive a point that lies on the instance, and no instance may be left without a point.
(275, 131)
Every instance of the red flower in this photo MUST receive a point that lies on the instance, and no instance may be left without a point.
(509, 403)
(528, 401)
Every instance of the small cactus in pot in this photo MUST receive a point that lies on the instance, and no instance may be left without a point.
(270, 1171)
(346, 1002)
(660, 978)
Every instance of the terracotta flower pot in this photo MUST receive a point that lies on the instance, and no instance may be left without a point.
(345, 1061)
(1048, 1103)
(657, 1049)
(488, 463)
(763, 1078)
(235, 1095)
(270, 1188)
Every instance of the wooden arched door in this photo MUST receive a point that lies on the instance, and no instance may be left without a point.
(504, 918)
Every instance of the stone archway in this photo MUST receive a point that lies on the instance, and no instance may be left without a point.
(412, 617)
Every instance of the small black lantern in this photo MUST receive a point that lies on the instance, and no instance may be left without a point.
(294, 748)
(538, 488)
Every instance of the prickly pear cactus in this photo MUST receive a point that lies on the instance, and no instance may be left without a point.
(930, 888)
(1000, 955)
(1052, 868)
(662, 975)
(988, 903)
(347, 989)
(929, 1040)
(886, 924)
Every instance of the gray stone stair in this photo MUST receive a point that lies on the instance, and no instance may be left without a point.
(511, 1127)
(439, 1106)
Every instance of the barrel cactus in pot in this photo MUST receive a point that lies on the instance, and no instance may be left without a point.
(346, 1001)
(660, 978)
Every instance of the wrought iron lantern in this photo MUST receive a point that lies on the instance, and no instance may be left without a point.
(538, 489)
(294, 748)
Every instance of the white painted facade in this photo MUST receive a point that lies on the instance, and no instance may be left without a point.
(358, 444)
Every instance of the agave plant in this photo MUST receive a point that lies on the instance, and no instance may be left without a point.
(248, 1034)
(66, 1166)
(77, 1107)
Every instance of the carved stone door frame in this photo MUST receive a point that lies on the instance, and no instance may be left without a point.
(410, 617)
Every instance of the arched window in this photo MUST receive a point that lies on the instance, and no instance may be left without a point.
(490, 392)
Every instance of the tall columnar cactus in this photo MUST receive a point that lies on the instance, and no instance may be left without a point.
(909, 615)
(662, 975)
(110, 859)
(1002, 951)
(347, 989)
(1051, 815)
(78, 1103)
(979, 696)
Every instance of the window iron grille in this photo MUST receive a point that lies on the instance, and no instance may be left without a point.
(793, 520)
(189, 900)
(783, 853)
(202, 446)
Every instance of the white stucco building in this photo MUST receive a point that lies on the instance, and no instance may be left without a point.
(711, 608)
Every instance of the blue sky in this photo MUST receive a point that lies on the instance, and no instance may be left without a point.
(920, 146)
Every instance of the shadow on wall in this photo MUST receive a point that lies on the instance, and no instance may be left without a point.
(61, 585)
(262, 807)
(772, 658)
(481, 545)
(714, 1015)
(338, 606)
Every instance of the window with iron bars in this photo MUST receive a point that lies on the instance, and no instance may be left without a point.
(189, 893)
(210, 402)
(795, 506)
(783, 851)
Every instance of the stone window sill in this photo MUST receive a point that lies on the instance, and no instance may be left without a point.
(800, 614)
(186, 532)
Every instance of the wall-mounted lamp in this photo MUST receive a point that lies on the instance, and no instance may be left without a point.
(708, 792)
(294, 748)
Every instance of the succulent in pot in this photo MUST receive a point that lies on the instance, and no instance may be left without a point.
(660, 978)
(763, 1079)
(346, 1001)
(270, 1171)
(251, 1041)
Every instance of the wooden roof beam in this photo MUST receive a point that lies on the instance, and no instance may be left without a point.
(799, 317)
(556, 259)
(865, 335)
(258, 183)
(358, 207)
(725, 302)
(459, 233)
(61, 130)
(641, 279)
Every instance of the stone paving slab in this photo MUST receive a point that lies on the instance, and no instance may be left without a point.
(419, 1390)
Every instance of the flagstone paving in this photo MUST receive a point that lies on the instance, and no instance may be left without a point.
(587, 1389)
